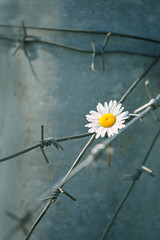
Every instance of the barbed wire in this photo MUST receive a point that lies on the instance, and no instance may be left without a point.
(151, 105)
(76, 168)
(130, 89)
(98, 149)
(49, 141)
(45, 142)
(88, 31)
(54, 191)
(134, 179)
(95, 152)
(27, 39)
(94, 155)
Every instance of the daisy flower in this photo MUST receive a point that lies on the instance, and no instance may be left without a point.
(108, 119)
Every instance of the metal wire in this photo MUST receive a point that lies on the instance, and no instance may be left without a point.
(98, 148)
(57, 191)
(76, 168)
(31, 40)
(88, 31)
(130, 188)
(130, 89)
(47, 142)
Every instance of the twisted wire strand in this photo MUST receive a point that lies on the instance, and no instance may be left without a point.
(47, 142)
(130, 89)
(88, 31)
(135, 178)
(94, 154)
(154, 103)
(33, 39)
(53, 197)
(76, 168)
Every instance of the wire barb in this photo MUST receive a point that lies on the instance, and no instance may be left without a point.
(150, 97)
(55, 194)
(48, 142)
(22, 42)
(103, 48)
(93, 56)
(31, 40)
(130, 89)
(67, 194)
(138, 173)
(154, 103)
(97, 150)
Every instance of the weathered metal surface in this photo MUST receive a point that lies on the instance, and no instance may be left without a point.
(56, 87)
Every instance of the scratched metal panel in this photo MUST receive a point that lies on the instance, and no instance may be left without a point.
(56, 87)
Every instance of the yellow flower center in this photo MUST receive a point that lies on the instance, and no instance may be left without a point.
(107, 120)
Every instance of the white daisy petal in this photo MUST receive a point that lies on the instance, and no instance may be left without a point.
(120, 122)
(112, 132)
(92, 130)
(116, 111)
(109, 132)
(120, 110)
(98, 135)
(92, 117)
(99, 129)
(119, 106)
(106, 107)
(122, 118)
(100, 108)
(92, 125)
(103, 132)
(94, 113)
(110, 106)
(115, 129)
(120, 126)
(93, 120)
(114, 104)
(123, 115)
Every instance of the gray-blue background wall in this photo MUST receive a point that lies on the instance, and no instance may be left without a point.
(56, 87)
